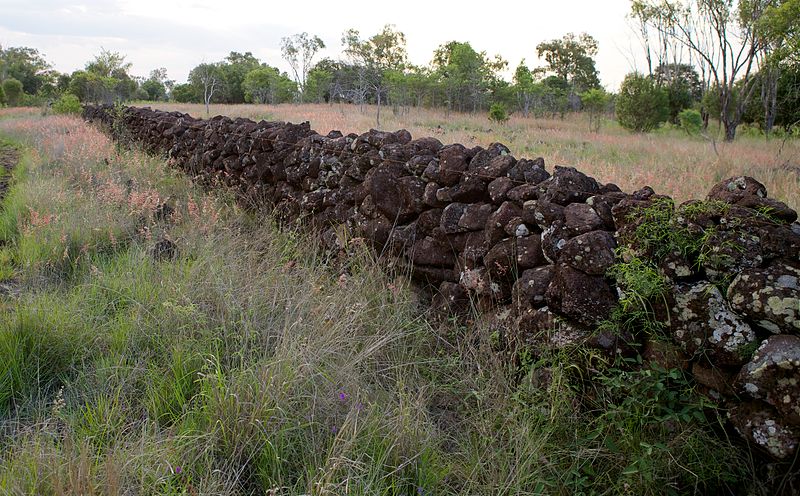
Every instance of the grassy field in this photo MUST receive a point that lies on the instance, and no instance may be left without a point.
(253, 363)
(671, 162)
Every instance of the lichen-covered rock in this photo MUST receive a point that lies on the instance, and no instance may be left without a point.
(579, 296)
(702, 322)
(592, 253)
(762, 427)
(773, 376)
(769, 297)
(733, 189)
(529, 290)
(554, 239)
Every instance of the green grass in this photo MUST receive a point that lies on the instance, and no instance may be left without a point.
(253, 363)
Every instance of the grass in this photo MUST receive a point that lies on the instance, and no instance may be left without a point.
(668, 160)
(254, 363)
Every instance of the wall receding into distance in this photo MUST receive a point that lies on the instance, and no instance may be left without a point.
(711, 287)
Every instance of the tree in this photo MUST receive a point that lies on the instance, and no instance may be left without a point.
(207, 78)
(641, 106)
(725, 36)
(232, 71)
(299, 51)
(570, 58)
(2, 96)
(683, 86)
(26, 65)
(156, 84)
(594, 101)
(267, 85)
(374, 57)
(465, 74)
(184, 93)
(109, 64)
(13, 91)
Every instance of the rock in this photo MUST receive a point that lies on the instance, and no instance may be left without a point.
(702, 322)
(164, 249)
(591, 253)
(719, 382)
(452, 165)
(469, 190)
(495, 228)
(430, 251)
(475, 216)
(542, 328)
(586, 299)
(763, 428)
(665, 355)
(529, 171)
(529, 252)
(773, 376)
(554, 239)
(451, 298)
(500, 261)
(482, 159)
(568, 185)
(498, 189)
(523, 193)
(769, 297)
(543, 213)
(497, 167)
(733, 189)
(581, 218)
(530, 288)
(479, 282)
(400, 197)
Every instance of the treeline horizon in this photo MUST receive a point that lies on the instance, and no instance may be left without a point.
(758, 85)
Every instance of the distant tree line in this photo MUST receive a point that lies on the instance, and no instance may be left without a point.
(735, 62)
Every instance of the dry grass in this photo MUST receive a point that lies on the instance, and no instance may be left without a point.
(669, 161)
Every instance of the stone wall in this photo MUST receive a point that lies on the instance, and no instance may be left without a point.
(536, 247)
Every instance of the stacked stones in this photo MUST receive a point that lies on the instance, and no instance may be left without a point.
(533, 248)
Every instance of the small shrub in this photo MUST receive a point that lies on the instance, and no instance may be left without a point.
(690, 121)
(641, 106)
(2, 96)
(13, 90)
(498, 113)
(67, 104)
(594, 102)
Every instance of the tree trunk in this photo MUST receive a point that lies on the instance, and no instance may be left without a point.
(770, 98)
(378, 116)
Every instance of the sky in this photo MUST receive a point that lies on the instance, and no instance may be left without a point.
(179, 34)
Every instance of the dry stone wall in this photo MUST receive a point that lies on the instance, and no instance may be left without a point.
(535, 247)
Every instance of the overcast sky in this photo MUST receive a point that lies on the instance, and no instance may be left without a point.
(179, 34)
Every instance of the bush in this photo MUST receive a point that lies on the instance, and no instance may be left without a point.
(641, 106)
(594, 102)
(67, 104)
(690, 121)
(498, 113)
(13, 90)
(2, 96)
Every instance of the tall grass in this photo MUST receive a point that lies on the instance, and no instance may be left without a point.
(254, 362)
